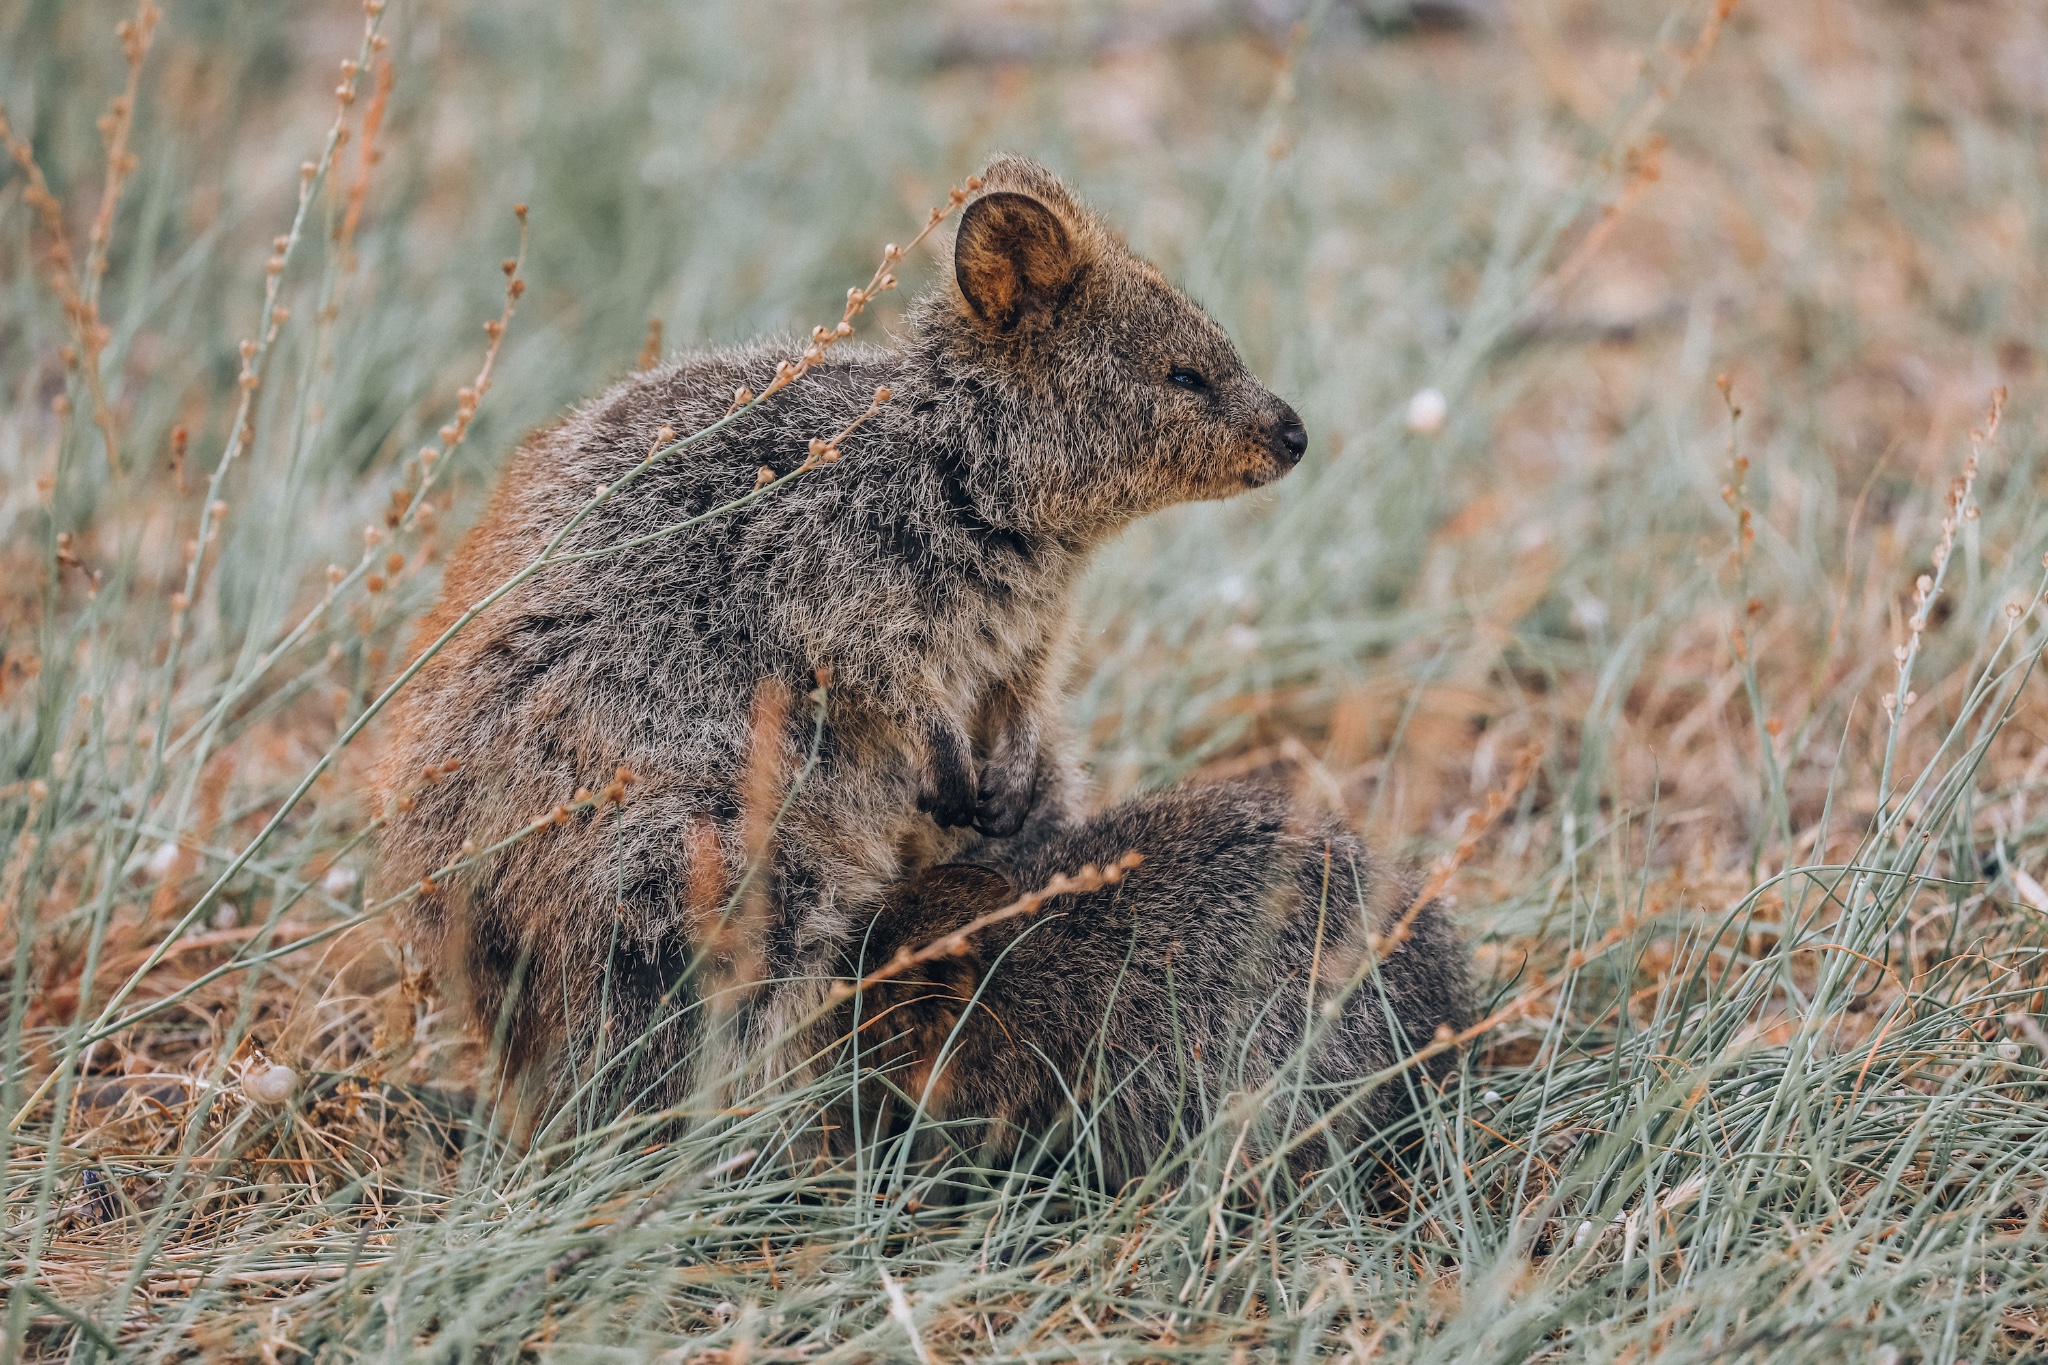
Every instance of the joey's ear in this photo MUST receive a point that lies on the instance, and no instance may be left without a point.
(1014, 260)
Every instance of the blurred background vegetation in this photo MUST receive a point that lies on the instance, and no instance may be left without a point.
(1498, 254)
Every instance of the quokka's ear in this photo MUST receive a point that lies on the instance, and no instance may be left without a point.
(1014, 260)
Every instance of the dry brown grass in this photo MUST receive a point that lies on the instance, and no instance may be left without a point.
(1840, 209)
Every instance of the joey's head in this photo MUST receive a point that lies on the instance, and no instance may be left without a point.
(1116, 394)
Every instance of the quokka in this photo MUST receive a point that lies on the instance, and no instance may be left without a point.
(1137, 1011)
(1053, 390)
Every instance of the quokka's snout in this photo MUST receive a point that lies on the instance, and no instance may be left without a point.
(1239, 435)
(1285, 442)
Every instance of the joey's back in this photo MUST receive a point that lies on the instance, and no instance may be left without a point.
(1053, 390)
(1145, 1012)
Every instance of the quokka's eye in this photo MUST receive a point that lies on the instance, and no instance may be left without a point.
(1187, 379)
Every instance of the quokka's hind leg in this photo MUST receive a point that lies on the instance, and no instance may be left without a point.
(668, 974)
(633, 1027)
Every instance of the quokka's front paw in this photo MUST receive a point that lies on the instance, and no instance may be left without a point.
(947, 794)
(1007, 791)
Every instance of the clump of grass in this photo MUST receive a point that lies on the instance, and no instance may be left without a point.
(1761, 1071)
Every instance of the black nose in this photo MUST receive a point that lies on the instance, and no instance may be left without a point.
(1291, 439)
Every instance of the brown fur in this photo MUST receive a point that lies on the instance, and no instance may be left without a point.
(1054, 390)
(1148, 1004)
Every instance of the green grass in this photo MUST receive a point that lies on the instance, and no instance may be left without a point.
(1766, 1081)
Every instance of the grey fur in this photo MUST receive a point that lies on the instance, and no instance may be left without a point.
(1036, 409)
(1153, 1001)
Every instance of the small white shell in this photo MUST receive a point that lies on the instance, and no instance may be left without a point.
(272, 1084)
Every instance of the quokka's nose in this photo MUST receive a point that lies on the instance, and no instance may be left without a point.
(1290, 438)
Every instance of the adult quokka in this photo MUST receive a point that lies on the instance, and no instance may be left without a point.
(1054, 389)
(1124, 1020)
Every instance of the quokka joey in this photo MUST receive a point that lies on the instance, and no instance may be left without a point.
(1139, 1010)
(1052, 390)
